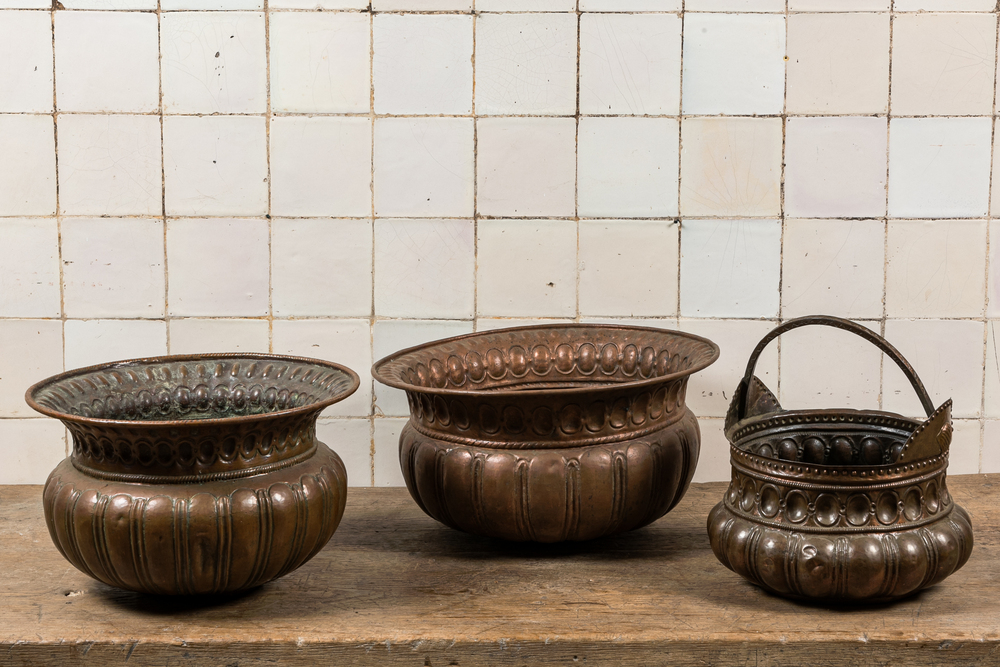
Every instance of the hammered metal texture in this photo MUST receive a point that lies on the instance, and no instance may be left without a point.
(196, 474)
(552, 433)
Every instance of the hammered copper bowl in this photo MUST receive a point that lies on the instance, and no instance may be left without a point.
(550, 433)
(194, 474)
(838, 505)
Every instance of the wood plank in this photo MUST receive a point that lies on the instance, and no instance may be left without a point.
(395, 587)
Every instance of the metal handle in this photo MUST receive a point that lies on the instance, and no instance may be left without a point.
(846, 325)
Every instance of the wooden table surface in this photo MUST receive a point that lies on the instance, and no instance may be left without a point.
(395, 587)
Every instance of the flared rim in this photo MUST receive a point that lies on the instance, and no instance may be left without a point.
(378, 368)
(142, 362)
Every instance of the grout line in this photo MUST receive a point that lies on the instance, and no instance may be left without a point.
(885, 225)
(475, 181)
(576, 162)
(163, 176)
(58, 218)
(372, 408)
(781, 207)
(267, 150)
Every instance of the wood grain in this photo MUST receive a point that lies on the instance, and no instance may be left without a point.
(395, 587)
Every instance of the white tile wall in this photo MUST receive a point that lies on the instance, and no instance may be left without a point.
(333, 179)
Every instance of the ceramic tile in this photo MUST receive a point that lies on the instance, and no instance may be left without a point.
(425, 268)
(100, 280)
(346, 342)
(735, 6)
(28, 168)
(730, 268)
(630, 5)
(390, 336)
(217, 267)
(939, 167)
(713, 461)
(966, 439)
(835, 167)
(385, 462)
(993, 279)
(630, 63)
(525, 5)
(948, 357)
(943, 64)
(627, 167)
(834, 267)
(29, 273)
(838, 63)
(106, 61)
(32, 351)
(90, 342)
(30, 465)
(492, 323)
(320, 62)
(991, 446)
(422, 63)
(838, 5)
(321, 166)
(711, 390)
(110, 165)
(526, 166)
(731, 166)
(200, 335)
(991, 388)
(351, 439)
(527, 268)
(214, 62)
(421, 5)
(734, 64)
(936, 268)
(526, 64)
(25, 61)
(318, 4)
(424, 166)
(300, 247)
(944, 5)
(995, 184)
(822, 367)
(110, 4)
(628, 268)
(25, 4)
(228, 5)
(215, 165)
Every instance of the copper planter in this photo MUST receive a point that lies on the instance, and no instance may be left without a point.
(550, 433)
(194, 474)
(838, 505)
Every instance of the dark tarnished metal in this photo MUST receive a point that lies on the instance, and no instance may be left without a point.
(549, 433)
(194, 474)
(838, 505)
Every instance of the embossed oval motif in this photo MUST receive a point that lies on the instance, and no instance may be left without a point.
(587, 359)
(266, 442)
(673, 396)
(513, 419)
(248, 447)
(165, 455)
(477, 370)
(931, 500)
(859, 509)
(887, 508)
(543, 420)
(570, 419)
(770, 501)
(185, 453)
(827, 510)
(423, 375)
(871, 452)
(564, 359)
(427, 408)
(734, 493)
(416, 407)
(541, 359)
(124, 452)
(796, 507)
(439, 376)
(459, 415)
(596, 416)
(813, 450)
(657, 403)
(206, 452)
(911, 505)
(609, 359)
(663, 362)
(640, 409)
(441, 413)
(647, 362)
(518, 361)
(144, 452)
(456, 371)
(788, 450)
(489, 420)
(841, 451)
(748, 496)
(619, 413)
(766, 451)
(630, 360)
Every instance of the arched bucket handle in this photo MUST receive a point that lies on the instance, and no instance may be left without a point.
(836, 323)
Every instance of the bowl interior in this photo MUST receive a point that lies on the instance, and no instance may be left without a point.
(548, 357)
(834, 444)
(192, 388)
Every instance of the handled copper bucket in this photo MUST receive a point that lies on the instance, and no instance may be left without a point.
(838, 504)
